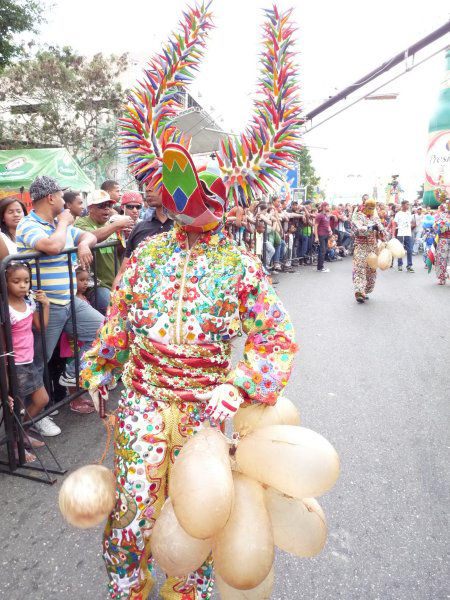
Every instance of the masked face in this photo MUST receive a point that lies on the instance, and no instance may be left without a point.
(369, 208)
(196, 200)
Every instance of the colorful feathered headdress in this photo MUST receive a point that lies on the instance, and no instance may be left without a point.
(251, 163)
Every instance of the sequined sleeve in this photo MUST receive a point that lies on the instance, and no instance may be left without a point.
(270, 348)
(103, 362)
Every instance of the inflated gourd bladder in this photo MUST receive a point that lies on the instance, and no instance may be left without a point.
(175, 551)
(299, 526)
(201, 485)
(243, 551)
(294, 460)
(87, 496)
(254, 416)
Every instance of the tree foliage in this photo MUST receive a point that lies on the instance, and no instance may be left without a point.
(59, 98)
(308, 176)
(16, 16)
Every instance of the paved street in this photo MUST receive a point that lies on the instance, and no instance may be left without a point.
(374, 380)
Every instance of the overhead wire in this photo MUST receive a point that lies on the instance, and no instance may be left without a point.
(408, 70)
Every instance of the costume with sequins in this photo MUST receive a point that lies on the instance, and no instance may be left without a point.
(442, 229)
(168, 334)
(171, 322)
(364, 277)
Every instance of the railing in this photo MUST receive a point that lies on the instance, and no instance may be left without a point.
(238, 234)
(15, 434)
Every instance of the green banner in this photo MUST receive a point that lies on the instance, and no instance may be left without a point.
(18, 168)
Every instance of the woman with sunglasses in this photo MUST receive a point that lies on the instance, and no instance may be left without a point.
(131, 205)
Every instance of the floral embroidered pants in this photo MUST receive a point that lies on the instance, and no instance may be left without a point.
(363, 276)
(442, 258)
(148, 437)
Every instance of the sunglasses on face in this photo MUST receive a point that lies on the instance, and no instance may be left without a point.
(133, 206)
(105, 205)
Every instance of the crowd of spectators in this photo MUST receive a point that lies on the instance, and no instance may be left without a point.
(287, 236)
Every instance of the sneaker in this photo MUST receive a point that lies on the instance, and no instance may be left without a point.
(323, 270)
(410, 269)
(67, 381)
(46, 427)
(359, 297)
(400, 268)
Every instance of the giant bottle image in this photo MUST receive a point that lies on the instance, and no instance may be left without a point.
(437, 169)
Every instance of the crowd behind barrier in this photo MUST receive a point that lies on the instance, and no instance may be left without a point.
(20, 423)
(286, 236)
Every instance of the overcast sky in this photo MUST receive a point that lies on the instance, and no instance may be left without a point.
(338, 42)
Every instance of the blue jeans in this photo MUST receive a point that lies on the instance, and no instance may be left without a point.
(88, 321)
(270, 251)
(279, 252)
(407, 242)
(103, 297)
(306, 245)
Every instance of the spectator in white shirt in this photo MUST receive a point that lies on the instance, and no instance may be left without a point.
(403, 218)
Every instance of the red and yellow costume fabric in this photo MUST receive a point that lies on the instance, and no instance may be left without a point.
(364, 277)
(169, 335)
(442, 228)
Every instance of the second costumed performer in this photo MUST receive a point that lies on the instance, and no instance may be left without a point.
(184, 297)
(366, 226)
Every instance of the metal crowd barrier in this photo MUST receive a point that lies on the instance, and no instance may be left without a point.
(15, 433)
(238, 234)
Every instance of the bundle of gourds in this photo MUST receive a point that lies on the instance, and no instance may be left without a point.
(386, 252)
(238, 498)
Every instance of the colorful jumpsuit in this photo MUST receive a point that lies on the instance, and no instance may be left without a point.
(169, 334)
(364, 277)
(442, 228)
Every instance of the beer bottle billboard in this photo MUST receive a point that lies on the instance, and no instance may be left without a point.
(437, 175)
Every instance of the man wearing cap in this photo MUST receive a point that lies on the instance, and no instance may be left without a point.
(159, 222)
(49, 229)
(132, 205)
(99, 207)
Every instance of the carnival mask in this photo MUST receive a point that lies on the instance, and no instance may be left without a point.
(369, 208)
(196, 199)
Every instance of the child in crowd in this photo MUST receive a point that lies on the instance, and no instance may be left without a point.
(81, 405)
(23, 316)
(333, 250)
(82, 276)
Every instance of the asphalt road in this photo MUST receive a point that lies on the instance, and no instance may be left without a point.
(374, 380)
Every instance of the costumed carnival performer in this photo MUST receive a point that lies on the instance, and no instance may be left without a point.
(442, 230)
(186, 294)
(366, 226)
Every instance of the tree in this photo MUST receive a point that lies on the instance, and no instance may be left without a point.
(59, 98)
(308, 177)
(16, 16)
